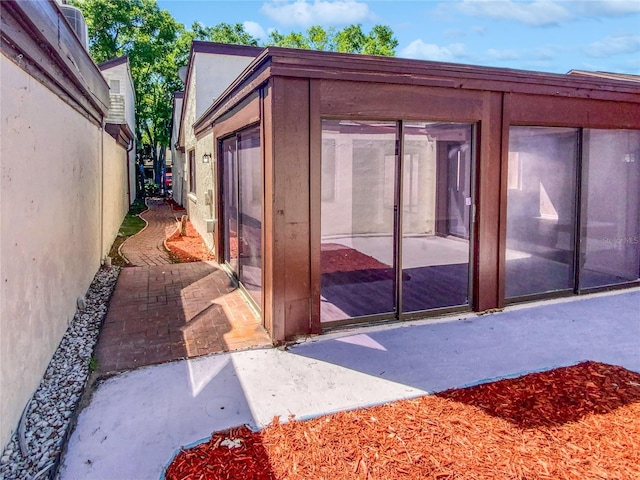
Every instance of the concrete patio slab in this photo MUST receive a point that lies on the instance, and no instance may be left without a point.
(136, 421)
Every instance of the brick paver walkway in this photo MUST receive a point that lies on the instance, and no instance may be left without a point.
(168, 312)
(147, 247)
(165, 311)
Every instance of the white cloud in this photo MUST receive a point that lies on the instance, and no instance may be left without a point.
(503, 54)
(430, 51)
(536, 13)
(302, 13)
(255, 30)
(609, 8)
(546, 12)
(614, 45)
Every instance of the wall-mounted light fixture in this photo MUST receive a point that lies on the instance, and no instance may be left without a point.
(206, 158)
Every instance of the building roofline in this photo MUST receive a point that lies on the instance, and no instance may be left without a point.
(113, 62)
(355, 67)
(225, 48)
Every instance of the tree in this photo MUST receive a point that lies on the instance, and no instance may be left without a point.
(351, 39)
(223, 33)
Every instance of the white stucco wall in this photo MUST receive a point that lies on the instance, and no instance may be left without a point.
(115, 200)
(210, 75)
(49, 250)
(122, 73)
(215, 73)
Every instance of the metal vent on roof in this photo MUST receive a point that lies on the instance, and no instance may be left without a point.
(77, 22)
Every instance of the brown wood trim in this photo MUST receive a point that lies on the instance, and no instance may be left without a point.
(315, 202)
(226, 49)
(399, 70)
(487, 211)
(243, 115)
(344, 100)
(572, 112)
(36, 37)
(291, 256)
(273, 312)
(223, 105)
(504, 175)
(113, 62)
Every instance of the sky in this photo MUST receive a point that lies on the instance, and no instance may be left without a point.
(543, 35)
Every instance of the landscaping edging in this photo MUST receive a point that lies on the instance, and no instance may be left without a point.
(35, 448)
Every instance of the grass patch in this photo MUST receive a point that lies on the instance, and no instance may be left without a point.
(131, 225)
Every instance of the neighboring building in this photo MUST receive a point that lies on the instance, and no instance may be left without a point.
(212, 67)
(177, 154)
(62, 185)
(121, 118)
(366, 189)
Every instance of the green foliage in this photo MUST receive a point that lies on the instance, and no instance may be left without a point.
(158, 45)
(223, 33)
(351, 39)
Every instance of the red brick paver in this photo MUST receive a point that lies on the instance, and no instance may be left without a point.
(147, 247)
(168, 312)
(161, 311)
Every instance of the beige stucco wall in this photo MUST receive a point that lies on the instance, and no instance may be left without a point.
(50, 213)
(123, 75)
(200, 208)
(210, 75)
(115, 200)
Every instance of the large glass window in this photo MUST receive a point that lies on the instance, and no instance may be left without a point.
(357, 216)
(370, 219)
(610, 246)
(436, 204)
(250, 212)
(242, 208)
(541, 210)
(230, 201)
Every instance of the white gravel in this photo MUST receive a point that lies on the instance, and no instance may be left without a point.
(45, 424)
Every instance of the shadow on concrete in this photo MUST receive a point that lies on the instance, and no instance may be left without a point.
(438, 356)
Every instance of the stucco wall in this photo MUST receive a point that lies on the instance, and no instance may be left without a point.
(115, 200)
(123, 75)
(199, 208)
(215, 73)
(210, 75)
(50, 162)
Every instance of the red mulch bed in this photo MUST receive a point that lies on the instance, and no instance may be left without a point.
(175, 205)
(190, 248)
(580, 422)
(335, 257)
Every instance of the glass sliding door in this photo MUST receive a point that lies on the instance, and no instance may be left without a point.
(250, 212)
(230, 201)
(541, 210)
(242, 209)
(396, 203)
(610, 244)
(436, 213)
(357, 219)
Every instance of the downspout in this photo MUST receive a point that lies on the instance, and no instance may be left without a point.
(102, 191)
(133, 142)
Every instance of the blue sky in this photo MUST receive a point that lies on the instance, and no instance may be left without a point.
(545, 35)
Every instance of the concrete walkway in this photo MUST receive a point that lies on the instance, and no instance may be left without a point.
(147, 247)
(136, 421)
